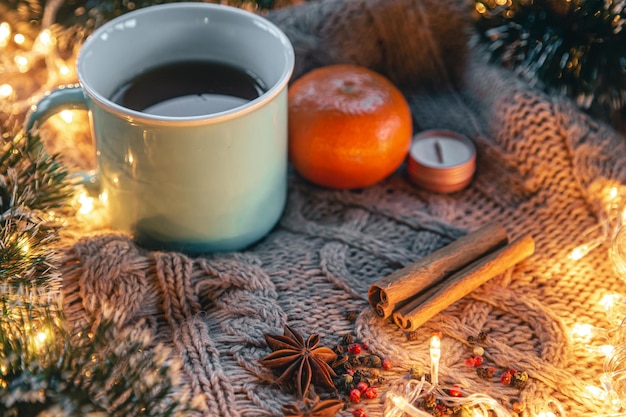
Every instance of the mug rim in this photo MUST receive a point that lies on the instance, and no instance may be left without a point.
(238, 111)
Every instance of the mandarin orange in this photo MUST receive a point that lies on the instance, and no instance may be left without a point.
(349, 127)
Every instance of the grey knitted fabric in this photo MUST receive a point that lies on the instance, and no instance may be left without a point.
(542, 168)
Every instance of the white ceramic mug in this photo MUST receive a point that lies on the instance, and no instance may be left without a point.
(215, 182)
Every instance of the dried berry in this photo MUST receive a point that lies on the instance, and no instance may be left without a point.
(482, 336)
(485, 372)
(517, 407)
(362, 386)
(455, 391)
(416, 372)
(348, 339)
(352, 315)
(471, 340)
(470, 362)
(479, 360)
(371, 393)
(354, 348)
(345, 381)
(478, 351)
(412, 336)
(387, 365)
(519, 380)
(505, 378)
(355, 395)
(375, 361)
(359, 412)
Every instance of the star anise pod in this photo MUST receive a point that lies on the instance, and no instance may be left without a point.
(300, 361)
(314, 408)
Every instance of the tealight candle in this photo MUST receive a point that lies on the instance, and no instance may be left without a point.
(441, 161)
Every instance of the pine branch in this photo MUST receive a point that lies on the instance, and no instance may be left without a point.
(576, 48)
(46, 367)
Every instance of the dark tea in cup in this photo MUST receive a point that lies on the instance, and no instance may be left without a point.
(189, 88)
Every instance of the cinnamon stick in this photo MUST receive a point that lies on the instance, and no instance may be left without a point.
(393, 291)
(430, 302)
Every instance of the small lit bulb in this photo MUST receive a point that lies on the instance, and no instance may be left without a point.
(546, 414)
(6, 91)
(582, 332)
(67, 116)
(607, 350)
(64, 70)
(22, 63)
(400, 403)
(19, 39)
(435, 355)
(5, 33)
(23, 245)
(86, 203)
(579, 252)
(44, 42)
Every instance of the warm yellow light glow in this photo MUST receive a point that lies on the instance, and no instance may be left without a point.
(64, 70)
(67, 116)
(607, 350)
(435, 355)
(104, 197)
(44, 42)
(582, 332)
(5, 90)
(579, 252)
(22, 63)
(86, 203)
(5, 33)
(19, 38)
(40, 340)
(403, 405)
(23, 245)
(596, 392)
(609, 301)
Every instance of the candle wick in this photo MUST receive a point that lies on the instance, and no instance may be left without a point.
(438, 152)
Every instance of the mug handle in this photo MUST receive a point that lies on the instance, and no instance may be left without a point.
(68, 97)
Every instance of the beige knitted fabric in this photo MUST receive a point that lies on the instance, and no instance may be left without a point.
(542, 169)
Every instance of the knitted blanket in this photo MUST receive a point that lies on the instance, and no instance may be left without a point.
(544, 168)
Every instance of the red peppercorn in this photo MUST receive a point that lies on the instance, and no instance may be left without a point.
(512, 371)
(479, 360)
(359, 412)
(387, 365)
(362, 386)
(350, 372)
(354, 348)
(355, 395)
(470, 362)
(455, 391)
(506, 378)
(371, 393)
(365, 345)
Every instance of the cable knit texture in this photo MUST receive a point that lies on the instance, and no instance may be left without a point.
(542, 169)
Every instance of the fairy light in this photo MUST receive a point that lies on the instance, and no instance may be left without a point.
(435, 355)
(6, 91)
(19, 39)
(22, 63)
(67, 116)
(5, 33)
(85, 202)
(400, 403)
(582, 332)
